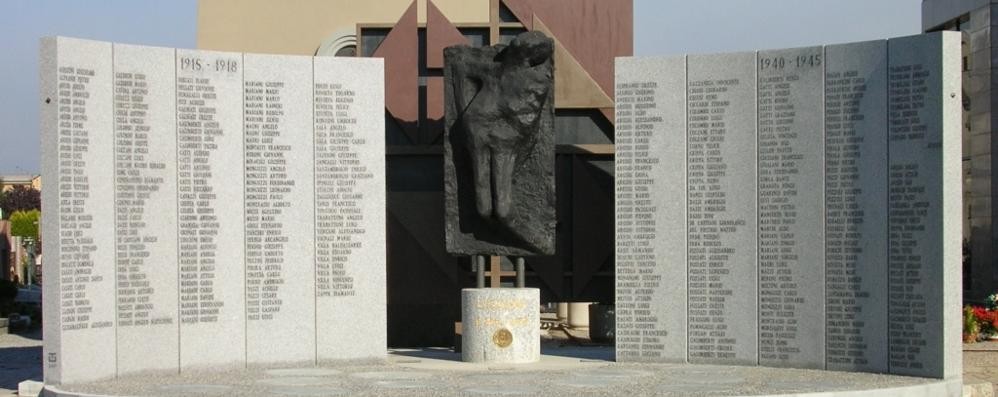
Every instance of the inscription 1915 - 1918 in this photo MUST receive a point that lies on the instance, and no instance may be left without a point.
(203, 161)
(198, 133)
(137, 179)
(338, 212)
(268, 185)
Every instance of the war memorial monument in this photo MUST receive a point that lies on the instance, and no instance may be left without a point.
(787, 222)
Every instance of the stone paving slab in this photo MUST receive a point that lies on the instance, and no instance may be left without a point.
(436, 372)
(980, 368)
(20, 359)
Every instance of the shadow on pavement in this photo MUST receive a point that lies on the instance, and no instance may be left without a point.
(596, 353)
(33, 335)
(19, 364)
(436, 353)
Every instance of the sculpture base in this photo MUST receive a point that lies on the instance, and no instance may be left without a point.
(500, 325)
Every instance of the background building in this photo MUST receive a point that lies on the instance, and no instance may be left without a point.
(424, 282)
(7, 182)
(980, 79)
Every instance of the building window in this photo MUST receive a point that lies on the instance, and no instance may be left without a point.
(342, 43)
(477, 37)
(505, 15)
(506, 35)
(371, 39)
(347, 51)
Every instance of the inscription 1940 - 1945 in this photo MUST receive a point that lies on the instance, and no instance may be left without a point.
(790, 162)
(848, 175)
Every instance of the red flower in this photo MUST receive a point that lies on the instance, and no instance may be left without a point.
(988, 319)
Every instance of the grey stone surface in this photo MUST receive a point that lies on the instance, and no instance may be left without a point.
(350, 209)
(500, 325)
(589, 382)
(210, 201)
(309, 391)
(499, 185)
(280, 208)
(504, 390)
(30, 388)
(78, 159)
(722, 211)
(614, 373)
(856, 189)
(302, 372)
(145, 219)
(570, 377)
(924, 205)
(392, 375)
(298, 381)
(791, 234)
(404, 384)
(651, 279)
(855, 211)
(207, 169)
(202, 390)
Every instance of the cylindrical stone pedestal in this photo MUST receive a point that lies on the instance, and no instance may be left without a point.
(578, 315)
(501, 325)
(562, 311)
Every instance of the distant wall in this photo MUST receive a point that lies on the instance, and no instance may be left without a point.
(938, 12)
(300, 26)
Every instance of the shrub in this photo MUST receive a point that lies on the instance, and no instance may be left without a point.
(971, 330)
(25, 223)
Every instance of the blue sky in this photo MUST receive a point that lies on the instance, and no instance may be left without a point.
(661, 27)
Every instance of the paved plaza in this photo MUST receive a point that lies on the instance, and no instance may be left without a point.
(570, 366)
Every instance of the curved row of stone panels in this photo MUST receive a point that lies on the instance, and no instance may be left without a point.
(209, 209)
(794, 208)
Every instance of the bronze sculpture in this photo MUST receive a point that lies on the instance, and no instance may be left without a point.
(499, 162)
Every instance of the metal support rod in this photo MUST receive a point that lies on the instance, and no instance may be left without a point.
(521, 272)
(479, 261)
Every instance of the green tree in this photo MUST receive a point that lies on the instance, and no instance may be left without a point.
(21, 198)
(25, 223)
